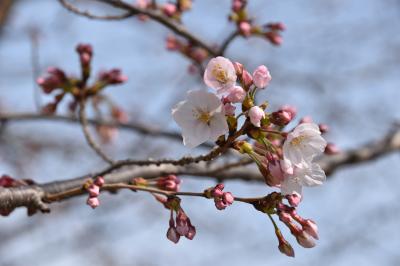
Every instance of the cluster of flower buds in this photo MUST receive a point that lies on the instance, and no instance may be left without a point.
(239, 16)
(93, 189)
(57, 81)
(246, 27)
(167, 183)
(181, 225)
(196, 54)
(304, 230)
(221, 199)
(173, 10)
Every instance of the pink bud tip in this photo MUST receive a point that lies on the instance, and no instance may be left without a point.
(99, 181)
(331, 149)
(311, 228)
(93, 202)
(323, 128)
(228, 198)
(294, 199)
(94, 190)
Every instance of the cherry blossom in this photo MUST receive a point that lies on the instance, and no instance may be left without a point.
(220, 74)
(201, 118)
(304, 174)
(303, 143)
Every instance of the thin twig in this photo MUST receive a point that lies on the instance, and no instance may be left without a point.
(88, 137)
(227, 42)
(87, 14)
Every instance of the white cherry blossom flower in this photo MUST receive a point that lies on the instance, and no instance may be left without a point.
(305, 174)
(303, 143)
(220, 74)
(201, 118)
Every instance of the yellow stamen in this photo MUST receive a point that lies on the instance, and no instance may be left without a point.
(202, 116)
(298, 140)
(220, 74)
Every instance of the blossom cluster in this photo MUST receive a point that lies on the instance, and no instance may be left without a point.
(173, 10)
(247, 27)
(286, 159)
(59, 84)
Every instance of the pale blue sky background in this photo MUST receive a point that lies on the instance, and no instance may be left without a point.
(339, 63)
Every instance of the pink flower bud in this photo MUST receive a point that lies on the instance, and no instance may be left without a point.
(236, 94)
(305, 240)
(120, 115)
(245, 28)
(172, 43)
(294, 199)
(281, 118)
(323, 128)
(220, 186)
(191, 233)
(228, 198)
(229, 109)
(261, 77)
(219, 204)
(93, 190)
(112, 77)
(99, 181)
(107, 133)
(255, 115)
(142, 3)
(173, 235)
(331, 149)
(216, 193)
(311, 228)
(274, 38)
(7, 181)
(199, 55)
(237, 5)
(93, 202)
(306, 119)
(284, 246)
(182, 226)
(285, 217)
(239, 68)
(169, 9)
(289, 108)
(247, 79)
(279, 26)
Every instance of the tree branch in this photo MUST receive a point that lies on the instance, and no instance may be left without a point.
(87, 14)
(153, 14)
(34, 196)
(134, 126)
